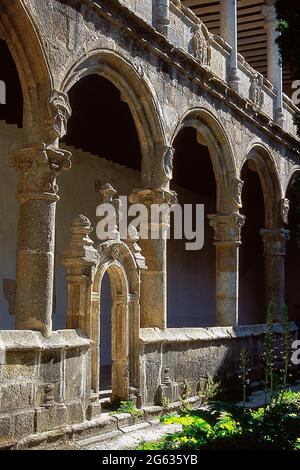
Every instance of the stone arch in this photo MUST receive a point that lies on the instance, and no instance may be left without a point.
(18, 30)
(117, 260)
(135, 91)
(270, 183)
(214, 136)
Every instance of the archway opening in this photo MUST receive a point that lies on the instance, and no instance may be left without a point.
(11, 133)
(292, 260)
(191, 274)
(252, 268)
(105, 147)
(11, 96)
(105, 337)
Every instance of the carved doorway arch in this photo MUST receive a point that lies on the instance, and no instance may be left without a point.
(86, 268)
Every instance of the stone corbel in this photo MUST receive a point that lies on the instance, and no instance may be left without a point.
(163, 169)
(236, 189)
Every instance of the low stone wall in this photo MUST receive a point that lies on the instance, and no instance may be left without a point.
(44, 383)
(174, 358)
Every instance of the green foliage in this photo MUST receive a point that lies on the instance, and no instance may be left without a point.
(244, 360)
(274, 427)
(165, 403)
(269, 351)
(286, 339)
(128, 407)
(210, 390)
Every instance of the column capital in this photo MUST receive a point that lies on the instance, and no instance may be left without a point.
(227, 227)
(38, 165)
(149, 196)
(274, 241)
(269, 13)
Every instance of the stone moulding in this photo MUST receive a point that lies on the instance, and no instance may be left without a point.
(183, 335)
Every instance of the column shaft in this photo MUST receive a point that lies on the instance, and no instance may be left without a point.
(274, 251)
(227, 241)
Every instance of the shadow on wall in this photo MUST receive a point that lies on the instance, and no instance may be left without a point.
(191, 274)
(252, 268)
(11, 118)
(292, 260)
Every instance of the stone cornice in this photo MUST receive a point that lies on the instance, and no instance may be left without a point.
(114, 12)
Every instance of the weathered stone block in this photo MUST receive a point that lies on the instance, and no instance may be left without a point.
(18, 395)
(5, 427)
(76, 413)
(24, 423)
(48, 418)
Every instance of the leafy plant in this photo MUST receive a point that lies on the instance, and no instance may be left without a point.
(210, 390)
(244, 360)
(269, 351)
(128, 407)
(276, 426)
(286, 339)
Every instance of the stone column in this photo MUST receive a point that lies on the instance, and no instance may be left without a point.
(274, 59)
(163, 16)
(154, 279)
(38, 166)
(274, 241)
(227, 229)
(228, 30)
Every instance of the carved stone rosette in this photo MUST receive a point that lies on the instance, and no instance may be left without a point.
(227, 227)
(274, 241)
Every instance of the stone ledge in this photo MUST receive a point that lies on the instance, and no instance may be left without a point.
(23, 340)
(187, 335)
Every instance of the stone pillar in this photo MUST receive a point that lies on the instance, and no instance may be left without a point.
(38, 166)
(163, 16)
(227, 229)
(274, 59)
(274, 241)
(228, 30)
(154, 279)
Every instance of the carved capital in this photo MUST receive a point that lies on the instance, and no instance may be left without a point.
(274, 241)
(38, 167)
(227, 227)
(60, 113)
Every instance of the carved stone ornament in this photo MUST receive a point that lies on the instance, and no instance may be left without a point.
(256, 93)
(237, 188)
(61, 112)
(38, 166)
(163, 172)
(227, 227)
(285, 208)
(274, 241)
(201, 44)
